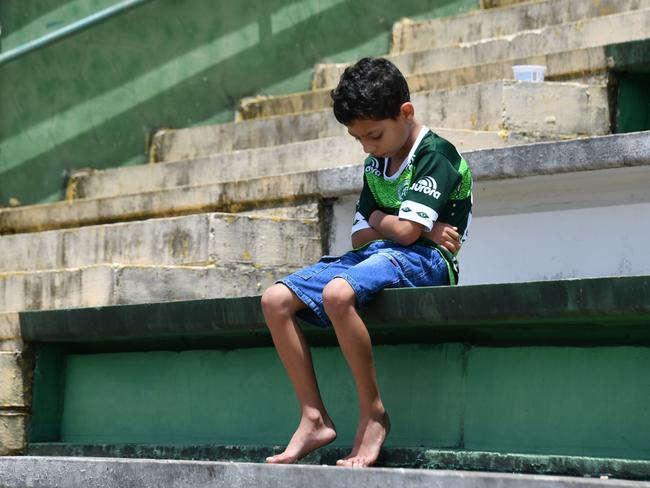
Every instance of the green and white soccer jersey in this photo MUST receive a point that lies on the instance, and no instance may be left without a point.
(434, 183)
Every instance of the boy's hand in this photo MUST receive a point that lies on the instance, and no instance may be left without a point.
(444, 235)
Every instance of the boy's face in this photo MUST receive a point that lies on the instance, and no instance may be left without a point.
(385, 138)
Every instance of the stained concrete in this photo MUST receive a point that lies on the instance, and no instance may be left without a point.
(42, 472)
(483, 107)
(100, 285)
(12, 381)
(248, 163)
(583, 34)
(409, 35)
(597, 153)
(200, 239)
(390, 457)
(12, 432)
(563, 65)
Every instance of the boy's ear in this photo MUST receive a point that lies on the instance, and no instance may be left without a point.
(407, 110)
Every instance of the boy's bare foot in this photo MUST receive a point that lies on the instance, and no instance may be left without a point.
(370, 436)
(312, 433)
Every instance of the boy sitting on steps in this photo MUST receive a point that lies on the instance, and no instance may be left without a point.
(413, 180)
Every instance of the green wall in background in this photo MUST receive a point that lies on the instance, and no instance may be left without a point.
(93, 99)
(583, 401)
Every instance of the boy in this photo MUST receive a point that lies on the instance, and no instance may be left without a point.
(412, 178)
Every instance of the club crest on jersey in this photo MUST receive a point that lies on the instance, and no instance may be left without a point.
(373, 167)
(428, 186)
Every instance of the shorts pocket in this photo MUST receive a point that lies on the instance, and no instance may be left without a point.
(311, 271)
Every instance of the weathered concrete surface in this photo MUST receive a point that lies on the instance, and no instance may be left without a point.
(95, 286)
(233, 196)
(228, 166)
(9, 326)
(499, 3)
(482, 110)
(583, 34)
(173, 145)
(517, 161)
(213, 238)
(564, 65)
(200, 142)
(582, 312)
(246, 164)
(12, 432)
(42, 472)
(15, 386)
(13, 382)
(412, 36)
(422, 457)
(546, 109)
(575, 64)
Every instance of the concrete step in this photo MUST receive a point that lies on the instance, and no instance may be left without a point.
(200, 239)
(46, 472)
(611, 152)
(201, 142)
(113, 284)
(315, 154)
(448, 359)
(390, 457)
(522, 180)
(408, 35)
(487, 4)
(580, 63)
(542, 110)
(583, 34)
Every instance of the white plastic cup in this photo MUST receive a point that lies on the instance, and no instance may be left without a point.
(529, 72)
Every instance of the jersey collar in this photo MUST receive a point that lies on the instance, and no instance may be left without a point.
(423, 132)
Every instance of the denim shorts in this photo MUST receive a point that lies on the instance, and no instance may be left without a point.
(382, 264)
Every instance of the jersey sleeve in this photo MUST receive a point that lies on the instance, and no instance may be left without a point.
(365, 206)
(433, 182)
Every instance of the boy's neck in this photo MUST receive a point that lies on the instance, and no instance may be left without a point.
(397, 160)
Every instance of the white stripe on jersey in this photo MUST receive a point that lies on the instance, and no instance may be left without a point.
(416, 212)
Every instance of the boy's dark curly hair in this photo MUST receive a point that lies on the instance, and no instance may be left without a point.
(373, 89)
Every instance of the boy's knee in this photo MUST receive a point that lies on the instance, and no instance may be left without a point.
(277, 299)
(337, 296)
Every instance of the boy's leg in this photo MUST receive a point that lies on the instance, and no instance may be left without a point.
(316, 428)
(339, 299)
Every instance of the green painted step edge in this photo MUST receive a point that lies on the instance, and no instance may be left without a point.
(630, 56)
(581, 312)
(395, 457)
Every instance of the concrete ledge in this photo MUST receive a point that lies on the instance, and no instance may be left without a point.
(583, 34)
(101, 285)
(600, 310)
(489, 110)
(250, 163)
(9, 326)
(560, 66)
(500, 3)
(201, 239)
(545, 108)
(41, 472)
(14, 381)
(419, 458)
(408, 35)
(589, 154)
(12, 432)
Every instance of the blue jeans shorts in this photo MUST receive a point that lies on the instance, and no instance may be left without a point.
(382, 264)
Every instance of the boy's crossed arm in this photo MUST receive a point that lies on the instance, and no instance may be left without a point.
(405, 232)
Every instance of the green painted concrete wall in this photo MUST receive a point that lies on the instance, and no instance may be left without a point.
(633, 107)
(93, 99)
(583, 401)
